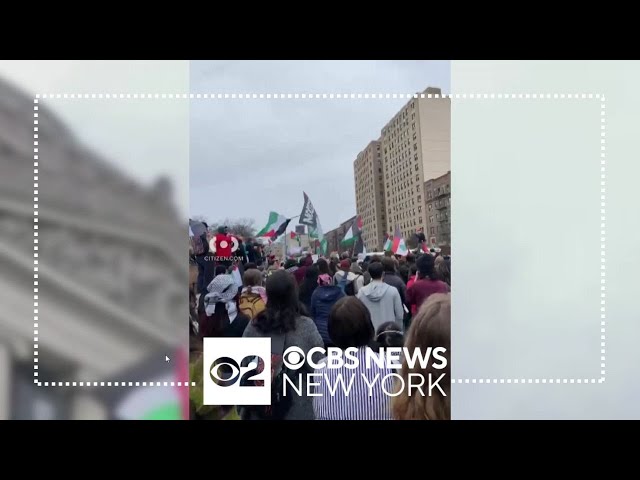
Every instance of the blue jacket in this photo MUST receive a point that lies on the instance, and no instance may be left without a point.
(322, 299)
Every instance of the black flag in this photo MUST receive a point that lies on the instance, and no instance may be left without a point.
(308, 216)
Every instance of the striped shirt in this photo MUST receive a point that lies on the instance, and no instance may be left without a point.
(366, 400)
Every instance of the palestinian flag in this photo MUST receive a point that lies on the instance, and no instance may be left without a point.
(388, 243)
(165, 402)
(354, 232)
(399, 247)
(276, 226)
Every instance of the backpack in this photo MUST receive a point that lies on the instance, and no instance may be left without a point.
(280, 404)
(251, 304)
(350, 288)
(344, 281)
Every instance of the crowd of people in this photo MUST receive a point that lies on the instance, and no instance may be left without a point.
(366, 304)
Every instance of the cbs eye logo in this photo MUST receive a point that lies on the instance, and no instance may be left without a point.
(224, 244)
(293, 358)
(225, 371)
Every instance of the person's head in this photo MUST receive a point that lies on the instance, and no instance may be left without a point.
(431, 327)
(344, 256)
(413, 269)
(411, 258)
(365, 266)
(220, 270)
(323, 266)
(222, 229)
(350, 323)
(442, 270)
(291, 262)
(325, 280)
(333, 266)
(390, 334)
(252, 278)
(376, 270)
(402, 260)
(375, 259)
(250, 266)
(282, 309)
(389, 265)
(345, 265)
(426, 267)
(388, 253)
(308, 260)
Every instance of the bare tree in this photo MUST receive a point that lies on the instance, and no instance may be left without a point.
(243, 227)
(200, 218)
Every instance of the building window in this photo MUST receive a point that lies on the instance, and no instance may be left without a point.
(430, 206)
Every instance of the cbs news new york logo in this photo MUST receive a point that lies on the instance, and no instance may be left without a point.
(231, 362)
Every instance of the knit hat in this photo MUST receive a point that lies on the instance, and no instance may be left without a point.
(345, 264)
(324, 279)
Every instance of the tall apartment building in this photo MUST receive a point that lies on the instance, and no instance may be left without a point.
(438, 204)
(416, 147)
(370, 204)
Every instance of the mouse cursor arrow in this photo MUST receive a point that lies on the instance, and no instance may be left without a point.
(166, 359)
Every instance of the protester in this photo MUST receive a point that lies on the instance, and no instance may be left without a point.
(221, 317)
(206, 268)
(365, 273)
(382, 300)
(431, 328)
(333, 266)
(282, 322)
(392, 278)
(357, 270)
(442, 270)
(305, 262)
(427, 283)
(220, 270)
(350, 327)
(253, 298)
(323, 267)
(403, 270)
(413, 276)
(290, 265)
(309, 284)
(322, 299)
(348, 281)
(389, 334)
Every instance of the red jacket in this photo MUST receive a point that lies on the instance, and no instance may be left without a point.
(423, 289)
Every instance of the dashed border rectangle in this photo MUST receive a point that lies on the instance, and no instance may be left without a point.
(339, 96)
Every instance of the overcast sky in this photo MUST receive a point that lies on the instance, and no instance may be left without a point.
(141, 139)
(248, 157)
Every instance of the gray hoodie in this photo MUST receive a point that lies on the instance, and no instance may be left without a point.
(383, 302)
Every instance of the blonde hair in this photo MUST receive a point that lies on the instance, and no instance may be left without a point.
(431, 327)
(252, 278)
